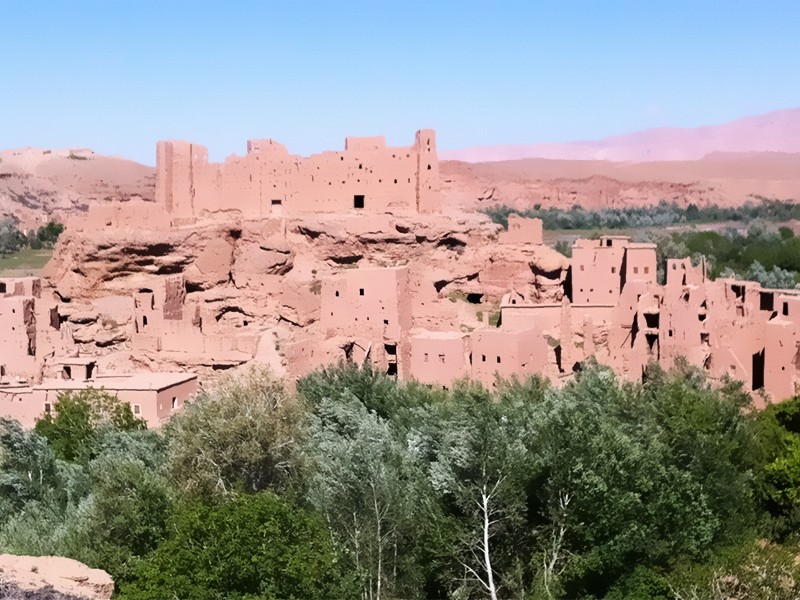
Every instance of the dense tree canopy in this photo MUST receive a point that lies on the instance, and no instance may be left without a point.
(358, 486)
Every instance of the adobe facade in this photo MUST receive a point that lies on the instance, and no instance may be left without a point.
(297, 263)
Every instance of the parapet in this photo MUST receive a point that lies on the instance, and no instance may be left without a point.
(367, 176)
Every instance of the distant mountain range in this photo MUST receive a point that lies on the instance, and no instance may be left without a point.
(777, 131)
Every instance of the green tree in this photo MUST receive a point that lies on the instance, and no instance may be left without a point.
(481, 465)
(374, 497)
(245, 434)
(11, 238)
(80, 417)
(247, 546)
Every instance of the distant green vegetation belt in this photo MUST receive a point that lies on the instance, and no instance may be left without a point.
(359, 486)
(662, 215)
(12, 240)
(763, 254)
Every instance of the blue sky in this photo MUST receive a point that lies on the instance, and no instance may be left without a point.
(118, 75)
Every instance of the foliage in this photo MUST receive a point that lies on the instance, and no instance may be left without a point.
(362, 486)
(12, 240)
(80, 417)
(763, 254)
(661, 215)
(244, 435)
(249, 546)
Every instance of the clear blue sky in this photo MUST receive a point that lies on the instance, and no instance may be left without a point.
(118, 75)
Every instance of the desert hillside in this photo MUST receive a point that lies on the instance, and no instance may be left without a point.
(37, 184)
(777, 131)
(725, 164)
(727, 179)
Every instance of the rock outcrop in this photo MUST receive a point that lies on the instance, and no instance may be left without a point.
(54, 573)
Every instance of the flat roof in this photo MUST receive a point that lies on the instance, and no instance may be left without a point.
(438, 335)
(135, 382)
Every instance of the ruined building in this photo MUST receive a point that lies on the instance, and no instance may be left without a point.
(297, 263)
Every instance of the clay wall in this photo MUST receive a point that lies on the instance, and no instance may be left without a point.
(521, 230)
(506, 353)
(18, 336)
(18, 402)
(439, 358)
(372, 302)
(20, 286)
(367, 176)
(597, 271)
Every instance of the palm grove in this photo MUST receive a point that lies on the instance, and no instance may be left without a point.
(357, 486)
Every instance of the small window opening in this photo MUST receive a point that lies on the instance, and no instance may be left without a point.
(646, 270)
(651, 320)
(358, 201)
(48, 408)
(608, 243)
(391, 369)
(137, 409)
(2, 287)
(441, 358)
(474, 298)
(767, 300)
(426, 357)
(483, 358)
(498, 360)
(390, 349)
(66, 372)
(758, 370)
(635, 270)
(786, 308)
(337, 293)
(174, 402)
(361, 291)
(144, 320)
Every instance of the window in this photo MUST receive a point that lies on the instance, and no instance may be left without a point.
(635, 270)
(361, 291)
(608, 243)
(646, 270)
(144, 320)
(386, 321)
(441, 358)
(174, 402)
(786, 308)
(47, 408)
(613, 269)
(483, 358)
(137, 409)
(498, 360)
(66, 372)
(358, 201)
(2, 287)
(426, 357)
(581, 267)
(337, 293)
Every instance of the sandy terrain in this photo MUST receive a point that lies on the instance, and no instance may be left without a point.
(720, 178)
(778, 131)
(37, 184)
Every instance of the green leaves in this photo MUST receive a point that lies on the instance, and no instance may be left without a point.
(249, 546)
(81, 418)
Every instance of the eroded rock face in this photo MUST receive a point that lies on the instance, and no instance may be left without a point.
(241, 279)
(63, 575)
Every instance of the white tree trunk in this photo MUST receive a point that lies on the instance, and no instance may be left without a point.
(487, 559)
